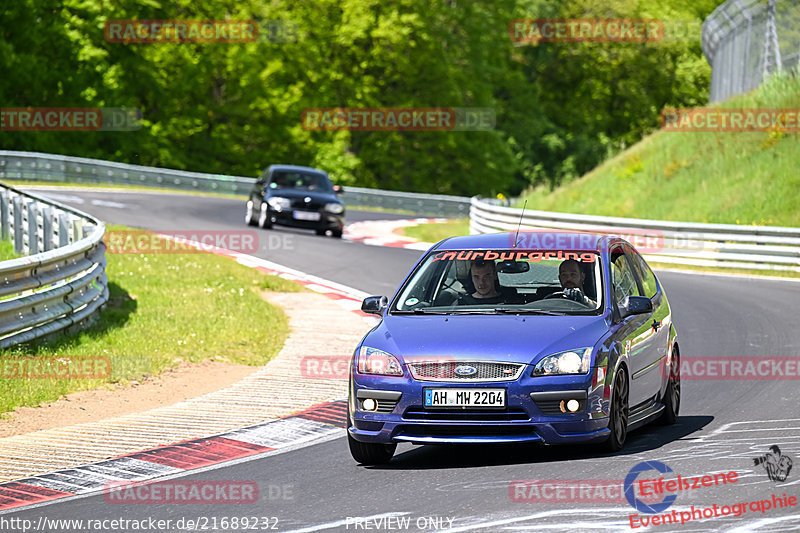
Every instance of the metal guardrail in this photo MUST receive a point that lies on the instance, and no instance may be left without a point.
(58, 168)
(745, 41)
(60, 282)
(719, 245)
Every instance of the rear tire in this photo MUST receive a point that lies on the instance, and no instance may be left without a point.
(368, 453)
(320, 231)
(672, 396)
(337, 234)
(618, 418)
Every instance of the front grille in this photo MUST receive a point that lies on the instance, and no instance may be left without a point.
(484, 371)
(417, 413)
(464, 430)
(298, 203)
(386, 406)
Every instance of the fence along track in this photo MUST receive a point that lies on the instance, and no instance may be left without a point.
(60, 281)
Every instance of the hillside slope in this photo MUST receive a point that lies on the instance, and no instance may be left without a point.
(723, 177)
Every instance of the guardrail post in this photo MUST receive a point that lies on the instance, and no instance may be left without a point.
(33, 227)
(77, 230)
(19, 243)
(63, 229)
(47, 228)
(4, 222)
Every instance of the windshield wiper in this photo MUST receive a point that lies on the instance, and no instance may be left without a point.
(513, 311)
(421, 311)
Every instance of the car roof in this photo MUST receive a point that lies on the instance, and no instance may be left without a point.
(296, 168)
(530, 240)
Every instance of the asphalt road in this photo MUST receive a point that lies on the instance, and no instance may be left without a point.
(723, 425)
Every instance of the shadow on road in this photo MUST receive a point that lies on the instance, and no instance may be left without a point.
(645, 439)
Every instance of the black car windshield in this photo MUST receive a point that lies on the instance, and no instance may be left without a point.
(504, 281)
(300, 181)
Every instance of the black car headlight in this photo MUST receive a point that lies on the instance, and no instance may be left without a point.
(278, 203)
(334, 208)
(564, 363)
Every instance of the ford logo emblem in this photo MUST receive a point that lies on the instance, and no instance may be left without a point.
(465, 370)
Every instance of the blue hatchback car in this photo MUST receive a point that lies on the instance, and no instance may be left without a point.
(537, 337)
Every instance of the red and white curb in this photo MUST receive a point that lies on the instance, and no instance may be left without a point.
(317, 422)
(381, 233)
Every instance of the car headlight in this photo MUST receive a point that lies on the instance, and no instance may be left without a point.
(374, 361)
(567, 362)
(278, 202)
(334, 208)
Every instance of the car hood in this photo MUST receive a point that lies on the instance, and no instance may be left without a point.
(316, 196)
(508, 338)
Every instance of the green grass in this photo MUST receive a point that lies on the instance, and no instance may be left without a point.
(725, 177)
(163, 309)
(7, 250)
(435, 232)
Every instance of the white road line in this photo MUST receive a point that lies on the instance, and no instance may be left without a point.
(65, 198)
(348, 520)
(746, 528)
(105, 203)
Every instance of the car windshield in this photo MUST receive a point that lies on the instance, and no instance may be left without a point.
(300, 181)
(560, 282)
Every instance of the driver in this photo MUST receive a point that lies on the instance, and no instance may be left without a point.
(571, 276)
(484, 278)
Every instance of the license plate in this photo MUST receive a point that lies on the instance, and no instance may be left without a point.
(465, 397)
(306, 215)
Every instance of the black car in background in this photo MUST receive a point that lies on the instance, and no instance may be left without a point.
(302, 197)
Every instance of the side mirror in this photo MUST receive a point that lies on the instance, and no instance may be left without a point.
(635, 305)
(338, 189)
(374, 305)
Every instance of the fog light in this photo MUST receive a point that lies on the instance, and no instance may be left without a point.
(573, 405)
(369, 404)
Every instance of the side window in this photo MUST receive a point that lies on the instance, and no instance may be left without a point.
(622, 276)
(646, 275)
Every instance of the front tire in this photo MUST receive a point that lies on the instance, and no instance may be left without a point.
(250, 215)
(618, 419)
(263, 218)
(672, 396)
(368, 453)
